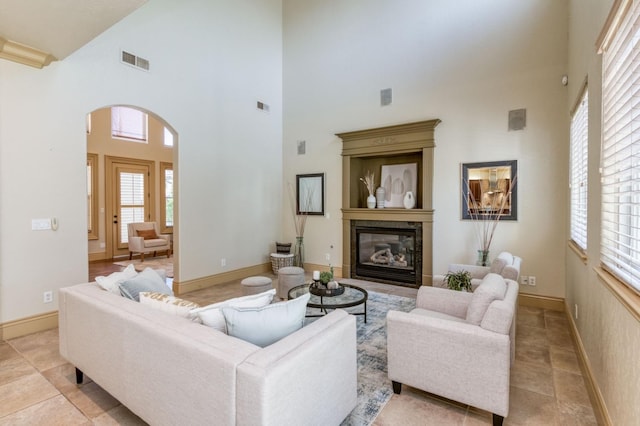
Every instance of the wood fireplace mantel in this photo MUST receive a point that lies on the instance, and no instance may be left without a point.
(368, 150)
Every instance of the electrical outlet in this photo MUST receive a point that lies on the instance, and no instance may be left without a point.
(327, 256)
(47, 297)
(524, 280)
(532, 280)
(223, 262)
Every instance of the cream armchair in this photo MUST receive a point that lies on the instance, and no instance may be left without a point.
(145, 237)
(457, 345)
(505, 264)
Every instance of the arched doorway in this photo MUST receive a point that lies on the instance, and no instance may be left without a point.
(131, 177)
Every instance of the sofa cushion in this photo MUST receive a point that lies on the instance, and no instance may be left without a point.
(211, 315)
(147, 280)
(436, 314)
(268, 324)
(147, 234)
(500, 262)
(493, 287)
(169, 304)
(112, 282)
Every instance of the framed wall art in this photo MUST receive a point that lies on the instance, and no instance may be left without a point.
(397, 180)
(310, 194)
(490, 190)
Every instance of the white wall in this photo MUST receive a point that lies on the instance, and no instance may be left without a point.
(608, 331)
(467, 63)
(210, 62)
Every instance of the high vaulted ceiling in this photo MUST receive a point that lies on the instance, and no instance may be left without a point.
(36, 32)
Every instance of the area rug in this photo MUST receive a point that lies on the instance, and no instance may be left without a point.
(152, 262)
(374, 387)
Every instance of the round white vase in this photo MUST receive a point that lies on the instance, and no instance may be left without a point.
(371, 201)
(409, 200)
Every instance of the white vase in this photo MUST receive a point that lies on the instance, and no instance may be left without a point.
(371, 201)
(409, 200)
(380, 197)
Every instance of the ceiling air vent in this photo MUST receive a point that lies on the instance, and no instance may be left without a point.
(136, 61)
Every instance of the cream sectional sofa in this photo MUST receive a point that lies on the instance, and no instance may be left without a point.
(171, 371)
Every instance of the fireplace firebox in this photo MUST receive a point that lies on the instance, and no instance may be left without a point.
(387, 251)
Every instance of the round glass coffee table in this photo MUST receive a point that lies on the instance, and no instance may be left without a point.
(352, 296)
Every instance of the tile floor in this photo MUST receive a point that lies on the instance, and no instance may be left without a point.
(37, 386)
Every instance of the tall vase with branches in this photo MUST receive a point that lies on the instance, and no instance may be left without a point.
(299, 221)
(486, 219)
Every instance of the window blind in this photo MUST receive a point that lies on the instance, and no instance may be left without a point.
(128, 123)
(578, 168)
(620, 158)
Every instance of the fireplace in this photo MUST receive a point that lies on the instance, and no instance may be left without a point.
(407, 234)
(387, 251)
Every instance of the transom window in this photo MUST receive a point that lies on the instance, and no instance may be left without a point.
(129, 124)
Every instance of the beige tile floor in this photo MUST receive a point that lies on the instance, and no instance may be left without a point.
(37, 386)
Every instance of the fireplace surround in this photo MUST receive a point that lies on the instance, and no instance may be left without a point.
(369, 150)
(387, 251)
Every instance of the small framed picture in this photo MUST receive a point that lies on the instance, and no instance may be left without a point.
(310, 194)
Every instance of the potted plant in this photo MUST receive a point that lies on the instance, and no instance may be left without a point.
(460, 281)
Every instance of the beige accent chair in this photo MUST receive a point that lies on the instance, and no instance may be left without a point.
(506, 264)
(145, 237)
(457, 345)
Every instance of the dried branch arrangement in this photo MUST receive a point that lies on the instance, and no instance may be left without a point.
(369, 181)
(486, 219)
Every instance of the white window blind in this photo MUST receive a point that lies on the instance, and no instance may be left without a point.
(620, 159)
(132, 201)
(128, 123)
(578, 167)
(168, 198)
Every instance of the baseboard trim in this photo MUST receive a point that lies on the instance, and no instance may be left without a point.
(544, 302)
(597, 400)
(29, 325)
(337, 272)
(95, 257)
(183, 287)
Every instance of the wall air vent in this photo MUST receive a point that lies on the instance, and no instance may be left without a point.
(133, 60)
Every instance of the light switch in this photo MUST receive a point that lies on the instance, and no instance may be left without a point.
(40, 224)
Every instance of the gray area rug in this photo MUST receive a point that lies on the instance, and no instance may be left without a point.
(374, 387)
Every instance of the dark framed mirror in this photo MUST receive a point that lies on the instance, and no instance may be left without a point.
(490, 190)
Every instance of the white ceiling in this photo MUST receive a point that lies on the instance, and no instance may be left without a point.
(60, 27)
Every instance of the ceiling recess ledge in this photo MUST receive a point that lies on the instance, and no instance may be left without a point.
(368, 150)
(24, 54)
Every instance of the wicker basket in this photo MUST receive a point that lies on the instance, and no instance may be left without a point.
(280, 260)
(283, 248)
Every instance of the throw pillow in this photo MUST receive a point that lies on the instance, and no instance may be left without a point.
(147, 280)
(112, 282)
(147, 234)
(169, 304)
(500, 262)
(211, 315)
(493, 287)
(268, 324)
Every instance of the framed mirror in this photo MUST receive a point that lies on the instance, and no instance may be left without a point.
(490, 190)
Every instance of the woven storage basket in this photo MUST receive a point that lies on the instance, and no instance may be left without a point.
(280, 261)
(284, 248)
